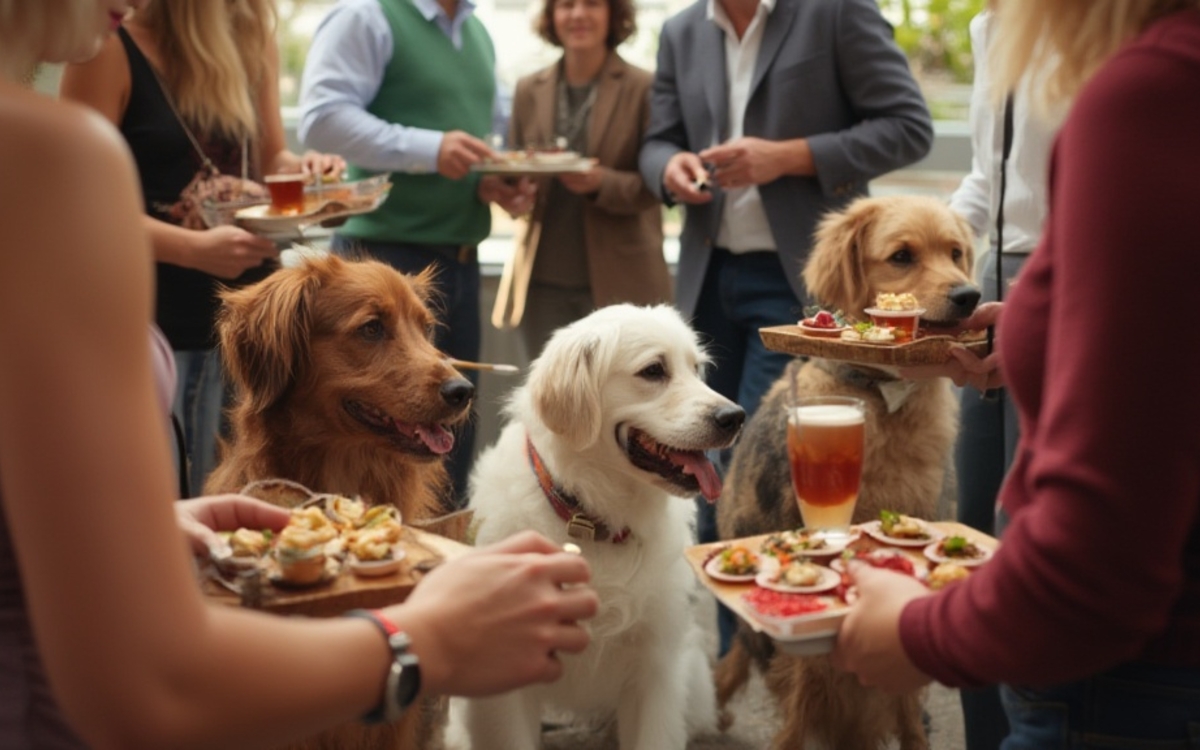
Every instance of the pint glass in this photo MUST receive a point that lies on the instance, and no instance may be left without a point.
(825, 450)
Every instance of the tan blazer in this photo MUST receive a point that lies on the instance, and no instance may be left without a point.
(623, 220)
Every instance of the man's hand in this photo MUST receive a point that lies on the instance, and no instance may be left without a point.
(749, 161)
(514, 196)
(458, 152)
(686, 179)
(868, 643)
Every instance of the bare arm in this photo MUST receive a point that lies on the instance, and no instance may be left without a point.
(119, 621)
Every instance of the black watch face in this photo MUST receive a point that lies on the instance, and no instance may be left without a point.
(409, 681)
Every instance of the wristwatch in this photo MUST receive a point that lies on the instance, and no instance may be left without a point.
(403, 682)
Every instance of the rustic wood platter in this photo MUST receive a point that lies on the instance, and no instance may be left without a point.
(815, 633)
(926, 350)
(523, 168)
(423, 552)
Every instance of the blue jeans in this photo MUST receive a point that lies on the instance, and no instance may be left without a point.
(200, 399)
(456, 305)
(1132, 707)
(741, 294)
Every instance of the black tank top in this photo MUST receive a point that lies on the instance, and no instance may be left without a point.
(186, 299)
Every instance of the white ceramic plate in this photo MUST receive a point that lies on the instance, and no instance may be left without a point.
(874, 530)
(376, 568)
(713, 568)
(933, 552)
(829, 580)
(812, 330)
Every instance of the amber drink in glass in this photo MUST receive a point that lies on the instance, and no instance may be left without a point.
(825, 451)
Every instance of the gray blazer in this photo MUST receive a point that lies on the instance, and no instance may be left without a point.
(828, 71)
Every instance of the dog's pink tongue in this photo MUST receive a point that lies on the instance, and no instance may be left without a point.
(437, 438)
(698, 465)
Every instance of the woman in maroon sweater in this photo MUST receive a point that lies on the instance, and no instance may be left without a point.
(1090, 612)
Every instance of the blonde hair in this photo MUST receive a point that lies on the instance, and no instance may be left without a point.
(213, 56)
(1066, 40)
(29, 31)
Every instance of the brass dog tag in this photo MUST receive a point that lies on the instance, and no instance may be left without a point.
(581, 527)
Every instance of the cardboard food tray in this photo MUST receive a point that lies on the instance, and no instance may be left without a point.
(815, 633)
(423, 552)
(926, 350)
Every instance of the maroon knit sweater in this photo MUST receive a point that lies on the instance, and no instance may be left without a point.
(1101, 350)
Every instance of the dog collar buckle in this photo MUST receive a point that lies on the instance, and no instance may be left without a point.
(581, 527)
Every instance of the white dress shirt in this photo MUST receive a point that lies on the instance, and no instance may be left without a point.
(350, 50)
(744, 225)
(978, 196)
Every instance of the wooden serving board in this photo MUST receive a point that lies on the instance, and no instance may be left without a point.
(822, 626)
(423, 552)
(926, 350)
(522, 168)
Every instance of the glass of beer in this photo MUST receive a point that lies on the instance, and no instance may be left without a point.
(825, 451)
(287, 193)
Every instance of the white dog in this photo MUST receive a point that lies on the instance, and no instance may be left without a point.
(603, 441)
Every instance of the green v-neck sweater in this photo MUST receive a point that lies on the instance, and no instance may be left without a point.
(430, 84)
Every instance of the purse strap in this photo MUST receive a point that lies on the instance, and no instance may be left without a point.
(206, 163)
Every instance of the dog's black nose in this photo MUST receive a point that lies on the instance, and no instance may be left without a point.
(964, 297)
(729, 418)
(457, 392)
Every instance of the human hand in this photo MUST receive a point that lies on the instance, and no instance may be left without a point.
(228, 251)
(458, 152)
(965, 367)
(317, 164)
(682, 176)
(493, 620)
(200, 519)
(868, 643)
(515, 197)
(744, 161)
(583, 183)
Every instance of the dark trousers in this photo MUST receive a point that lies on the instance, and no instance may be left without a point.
(741, 294)
(456, 305)
(987, 442)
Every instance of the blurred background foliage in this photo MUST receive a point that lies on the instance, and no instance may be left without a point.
(934, 34)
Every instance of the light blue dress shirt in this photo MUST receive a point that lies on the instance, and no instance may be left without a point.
(350, 51)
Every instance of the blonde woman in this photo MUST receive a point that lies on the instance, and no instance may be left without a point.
(186, 81)
(1088, 612)
(107, 642)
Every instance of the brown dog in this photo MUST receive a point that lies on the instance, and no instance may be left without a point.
(894, 244)
(340, 388)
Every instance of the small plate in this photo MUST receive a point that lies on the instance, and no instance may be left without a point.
(934, 553)
(874, 530)
(811, 330)
(833, 546)
(376, 568)
(829, 580)
(713, 569)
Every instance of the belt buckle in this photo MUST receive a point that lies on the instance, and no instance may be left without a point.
(581, 527)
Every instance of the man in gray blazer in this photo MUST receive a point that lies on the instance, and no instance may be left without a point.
(765, 115)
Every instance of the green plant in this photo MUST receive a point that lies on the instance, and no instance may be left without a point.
(934, 34)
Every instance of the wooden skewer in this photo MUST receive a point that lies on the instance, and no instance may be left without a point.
(462, 364)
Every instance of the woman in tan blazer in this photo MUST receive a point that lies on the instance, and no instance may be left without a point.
(594, 238)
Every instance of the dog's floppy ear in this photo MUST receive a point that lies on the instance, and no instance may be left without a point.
(564, 383)
(835, 274)
(263, 331)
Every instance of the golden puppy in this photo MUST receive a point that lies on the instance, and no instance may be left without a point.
(340, 388)
(894, 244)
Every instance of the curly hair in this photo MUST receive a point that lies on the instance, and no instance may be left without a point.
(622, 22)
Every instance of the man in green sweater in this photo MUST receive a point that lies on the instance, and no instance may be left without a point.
(409, 87)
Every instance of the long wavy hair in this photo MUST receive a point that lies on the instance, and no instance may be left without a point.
(213, 55)
(31, 30)
(1066, 40)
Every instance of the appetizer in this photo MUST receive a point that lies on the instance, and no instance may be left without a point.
(901, 526)
(737, 561)
(945, 574)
